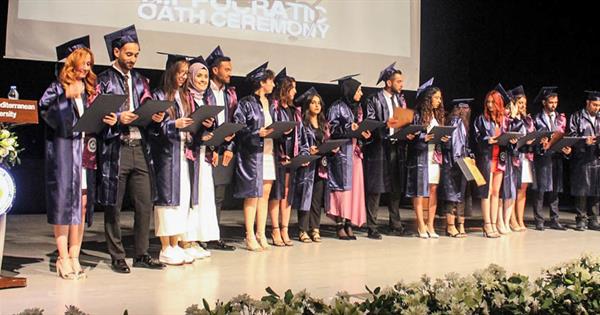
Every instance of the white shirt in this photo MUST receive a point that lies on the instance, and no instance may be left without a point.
(220, 97)
(134, 132)
(390, 106)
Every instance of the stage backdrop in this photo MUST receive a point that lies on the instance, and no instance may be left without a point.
(318, 40)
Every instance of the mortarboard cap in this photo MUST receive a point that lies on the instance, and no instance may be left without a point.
(119, 38)
(64, 50)
(385, 73)
(424, 86)
(544, 93)
(593, 95)
(172, 58)
(506, 97)
(280, 76)
(344, 78)
(462, 102)
(214, 55)
(258, 73)
(198, 59)
(303, 99)
(517, 91)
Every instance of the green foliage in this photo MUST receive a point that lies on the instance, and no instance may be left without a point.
(570, 288)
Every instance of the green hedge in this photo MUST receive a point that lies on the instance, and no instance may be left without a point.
(571, 288)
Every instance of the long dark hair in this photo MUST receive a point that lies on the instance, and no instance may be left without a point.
(168, 84)
(321, 120)
(282, 91)
(425, 106)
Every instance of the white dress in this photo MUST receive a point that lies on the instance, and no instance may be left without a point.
(202, 220)
(526, 172)
(171, 220)
(268, 157)
(433, 168)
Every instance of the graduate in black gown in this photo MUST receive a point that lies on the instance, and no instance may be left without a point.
(70, 155)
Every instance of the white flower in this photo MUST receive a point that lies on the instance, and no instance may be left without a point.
(7, 142)
(4, 134)
(3, 152)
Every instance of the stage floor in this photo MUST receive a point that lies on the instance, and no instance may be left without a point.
(323, 269)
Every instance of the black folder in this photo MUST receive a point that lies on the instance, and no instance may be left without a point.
(504, 139)
(365, 125)
(331, 145)
(536, 136)
(302, 159)
(223, 131)
(201, 114)
(279, 127)
(566, 142)
(104, 104)
(148, 109)
(411, 129)
(439, 132)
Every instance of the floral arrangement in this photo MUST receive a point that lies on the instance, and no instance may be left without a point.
(570, 288)
(9, 147)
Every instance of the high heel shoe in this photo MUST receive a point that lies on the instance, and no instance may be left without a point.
(341, 233)
(304, 238)
(431, 233)
(455, 235)
(285, 237)
(349, 232)
(63, 271)
(252, 245)
(422, 234)
(262, 240)
(79, 272)
(461, 230)
(276, 237)
(491, 234)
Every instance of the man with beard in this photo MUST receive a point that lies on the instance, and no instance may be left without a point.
(385, 156)
(124, 160)
(585, 162)
(223, 95)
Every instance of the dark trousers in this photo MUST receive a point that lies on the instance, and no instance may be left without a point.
(219, 198)
(584, 206)
(538, 204)
(309, 220)
(134, 178)
(373, 207)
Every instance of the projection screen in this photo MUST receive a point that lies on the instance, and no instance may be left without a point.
(317, 40)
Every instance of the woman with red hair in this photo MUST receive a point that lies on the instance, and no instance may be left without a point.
(490, 160)
(70, 159)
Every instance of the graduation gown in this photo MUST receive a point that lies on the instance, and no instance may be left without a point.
(385, 167)
(512, 169)
(483, 130)
(224, 175)
(282, 147)
(548, 166)
(340, 117)
(165, 141)
(417, 169)
(526, 151)
(303, 178)
(585, 159)
(249, 162)
(453, 183)
(64, 161)
(110, 81)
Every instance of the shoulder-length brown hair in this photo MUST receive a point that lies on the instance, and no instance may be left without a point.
(425, 107)
(68, 73)
(282, 93)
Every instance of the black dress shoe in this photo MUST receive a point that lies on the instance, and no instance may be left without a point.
(374, 234)
(555, 225)
(145, 261)
(219, 245)
(539, 226)
(120, 266)
(593, 225)
(396, 231)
